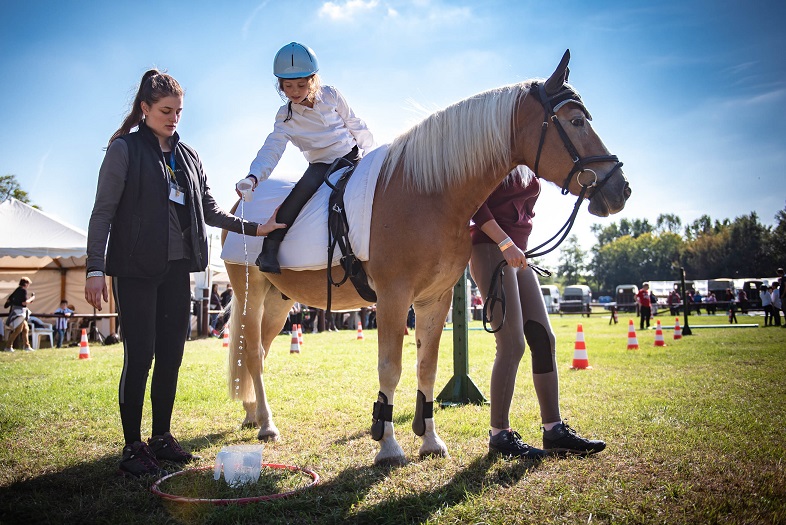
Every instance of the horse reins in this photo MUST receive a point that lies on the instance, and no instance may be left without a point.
(551, 104)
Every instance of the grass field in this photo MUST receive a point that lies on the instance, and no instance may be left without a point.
(694, 432)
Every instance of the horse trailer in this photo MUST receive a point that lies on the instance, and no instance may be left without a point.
(551, 297)
(576, 299)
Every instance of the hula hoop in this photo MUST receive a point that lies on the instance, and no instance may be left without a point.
(234, 501)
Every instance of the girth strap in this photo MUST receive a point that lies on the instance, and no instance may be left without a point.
(338, 235)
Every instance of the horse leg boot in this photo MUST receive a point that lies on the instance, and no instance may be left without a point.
(305, 188)
(390, 452)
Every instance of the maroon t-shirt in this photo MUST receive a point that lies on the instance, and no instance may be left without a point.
(511, 205)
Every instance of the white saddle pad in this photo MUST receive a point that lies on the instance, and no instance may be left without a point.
(305, 245)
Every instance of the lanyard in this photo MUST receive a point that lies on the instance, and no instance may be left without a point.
(171, 166)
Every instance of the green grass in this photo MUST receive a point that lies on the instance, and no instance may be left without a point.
(694, 433)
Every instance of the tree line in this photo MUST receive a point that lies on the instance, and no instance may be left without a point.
(634, 251)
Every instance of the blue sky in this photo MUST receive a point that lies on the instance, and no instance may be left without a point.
(689, 94)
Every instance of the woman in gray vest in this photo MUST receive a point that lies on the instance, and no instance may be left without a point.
(153, 196)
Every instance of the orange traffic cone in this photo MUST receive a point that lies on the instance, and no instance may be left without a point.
(294, 347)
(659, 335)
(580, 360)
(360, 330)
(633, 343)
(677, 328)
(225, 338)
(300, 335)
(84, 349)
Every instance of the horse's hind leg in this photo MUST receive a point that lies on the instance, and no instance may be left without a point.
(429, 320)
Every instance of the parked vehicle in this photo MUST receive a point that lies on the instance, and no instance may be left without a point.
(551, 297)
(576, 299)
(626, 297)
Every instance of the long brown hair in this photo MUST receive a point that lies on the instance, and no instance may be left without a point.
(154, 86)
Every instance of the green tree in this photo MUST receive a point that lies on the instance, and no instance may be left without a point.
(9, 187)
(571, 261)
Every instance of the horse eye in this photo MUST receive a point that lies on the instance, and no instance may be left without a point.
(577, 121)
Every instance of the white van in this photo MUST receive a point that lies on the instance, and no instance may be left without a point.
(551, 297)
(576, 299)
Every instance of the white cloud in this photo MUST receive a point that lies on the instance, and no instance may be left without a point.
(348, 10)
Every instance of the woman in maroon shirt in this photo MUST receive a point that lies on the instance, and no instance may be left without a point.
(500, 232)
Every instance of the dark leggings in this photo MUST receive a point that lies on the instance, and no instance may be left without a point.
(305, 188)
(154, 315)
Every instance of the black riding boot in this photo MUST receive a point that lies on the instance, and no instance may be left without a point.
(268, 258)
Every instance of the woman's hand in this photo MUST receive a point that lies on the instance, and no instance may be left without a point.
(270, 225)
(515, 257)
(95, 290)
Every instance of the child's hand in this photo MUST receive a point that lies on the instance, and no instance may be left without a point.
(245, 187)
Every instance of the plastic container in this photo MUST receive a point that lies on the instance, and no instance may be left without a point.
(246, 189)
(241, 464)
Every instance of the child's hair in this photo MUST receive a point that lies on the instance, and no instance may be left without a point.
(25, 280)
(314, 83)
(154, 86)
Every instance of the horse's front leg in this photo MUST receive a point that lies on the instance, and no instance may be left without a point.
(274, 315)
(391, 317)
(429, 321)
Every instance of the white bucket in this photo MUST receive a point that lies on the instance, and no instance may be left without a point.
(241, 464)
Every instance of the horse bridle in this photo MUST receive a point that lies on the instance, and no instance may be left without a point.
(552, 104)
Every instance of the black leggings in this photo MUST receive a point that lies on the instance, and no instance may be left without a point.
(154, 315)
(305, 188)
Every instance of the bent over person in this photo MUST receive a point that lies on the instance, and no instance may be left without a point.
(153, 196)
(500, 232)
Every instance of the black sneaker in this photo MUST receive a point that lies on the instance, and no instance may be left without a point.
(563, 439)
(139, 461)
(166, 448)
(508, 443)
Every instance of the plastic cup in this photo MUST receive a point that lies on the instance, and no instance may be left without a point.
(241, 464)
(246, 189)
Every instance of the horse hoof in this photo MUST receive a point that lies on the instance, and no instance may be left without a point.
(433, 454)
(269, 436)
(394, 461)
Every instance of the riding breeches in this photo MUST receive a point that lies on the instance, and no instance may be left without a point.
(526, 323)
(154, 315)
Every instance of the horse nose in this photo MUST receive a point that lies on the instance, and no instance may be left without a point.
(626, 191)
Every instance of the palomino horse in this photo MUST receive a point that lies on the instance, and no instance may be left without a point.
(434, 178)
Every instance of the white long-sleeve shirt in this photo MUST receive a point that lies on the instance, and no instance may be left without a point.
(323, 133)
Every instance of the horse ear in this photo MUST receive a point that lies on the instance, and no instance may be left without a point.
(560, 75)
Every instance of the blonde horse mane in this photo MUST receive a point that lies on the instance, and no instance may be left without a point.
(461, 141)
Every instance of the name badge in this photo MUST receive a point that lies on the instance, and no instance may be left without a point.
(176, 194)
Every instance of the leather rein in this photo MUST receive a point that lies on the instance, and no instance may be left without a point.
(552, 104)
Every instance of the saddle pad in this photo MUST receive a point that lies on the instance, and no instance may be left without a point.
(305, 245)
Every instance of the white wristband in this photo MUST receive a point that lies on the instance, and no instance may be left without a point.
(95, 274)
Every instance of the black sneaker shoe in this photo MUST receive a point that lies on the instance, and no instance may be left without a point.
(138, 461)
(166, 448)
(509, 444)
(564, 440)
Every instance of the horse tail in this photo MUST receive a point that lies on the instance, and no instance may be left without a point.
(240, 384)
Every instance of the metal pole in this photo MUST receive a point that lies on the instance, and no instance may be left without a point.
(686, 330)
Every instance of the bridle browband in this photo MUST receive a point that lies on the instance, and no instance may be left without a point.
(551, 104)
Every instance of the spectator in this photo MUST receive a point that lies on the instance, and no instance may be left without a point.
(18, 315)
(215, 307)
(711, 303)
(61, 322)
(777, 303)
(766, 304)
(697, 298)
(742, 296)
(645, 305)
(732, 307)
(674, 302)
(226, 296)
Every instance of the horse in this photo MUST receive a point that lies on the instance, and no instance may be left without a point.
(433, 180)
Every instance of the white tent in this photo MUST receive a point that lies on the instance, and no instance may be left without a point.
(52, 254)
